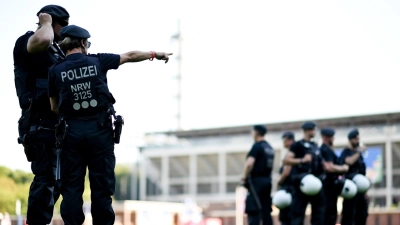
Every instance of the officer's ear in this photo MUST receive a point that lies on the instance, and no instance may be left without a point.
(82, 43)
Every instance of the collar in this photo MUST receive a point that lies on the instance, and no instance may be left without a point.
(75, 56)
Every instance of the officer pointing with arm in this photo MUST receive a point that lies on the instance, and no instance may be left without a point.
(302, 156)
(34, 53)
(79, 94)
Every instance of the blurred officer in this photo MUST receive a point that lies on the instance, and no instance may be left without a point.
(355, 210)
(285, 181)
(333, 170)
(257, 179)
(34, 53)
(301, 158)
(79, 94)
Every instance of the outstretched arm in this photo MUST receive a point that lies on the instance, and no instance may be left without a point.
(137, 56)
(43, 37)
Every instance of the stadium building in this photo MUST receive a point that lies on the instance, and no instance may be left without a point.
(206, 165)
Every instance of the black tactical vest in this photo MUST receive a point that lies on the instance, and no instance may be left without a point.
(32, 84)
(83, 92)
(316, 166)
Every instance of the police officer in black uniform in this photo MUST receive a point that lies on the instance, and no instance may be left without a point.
(305, 159)
(333, 170)
(355, 210)
(285, 180)
(257, 179)
(79, 94)
(34, 53)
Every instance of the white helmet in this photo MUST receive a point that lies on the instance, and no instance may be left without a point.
(310, 185)
(282, 199)
(362, 182)
(349, 189)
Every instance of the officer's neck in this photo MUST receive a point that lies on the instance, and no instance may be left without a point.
(327, 143)
(259, 138)
(307, 138)
(73, 51)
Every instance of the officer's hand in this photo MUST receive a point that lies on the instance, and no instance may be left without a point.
(363, 148)
(307, 158)
(44, 18)
(345, 168)
(162, 56)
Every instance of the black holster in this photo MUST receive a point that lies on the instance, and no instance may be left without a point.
(29, 142)
(118, 123)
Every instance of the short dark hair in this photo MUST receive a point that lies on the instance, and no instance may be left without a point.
(288, 135)
(353, 134)
(69, 43)
(260, 129)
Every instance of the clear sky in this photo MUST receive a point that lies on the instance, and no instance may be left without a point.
(244, 62)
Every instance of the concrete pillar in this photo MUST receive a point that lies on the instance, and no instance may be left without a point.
(222, 172)
(388, 172)
(165, 176)
(143, 176)
(193, 175)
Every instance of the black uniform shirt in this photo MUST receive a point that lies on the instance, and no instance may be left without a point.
(38, 62)
(300, 149)
(358, 167)
(258, 151)
(29, 67)
(106, 62)
(329, 156)
(80, 82)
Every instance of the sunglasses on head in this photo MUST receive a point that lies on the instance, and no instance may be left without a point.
(88, 44)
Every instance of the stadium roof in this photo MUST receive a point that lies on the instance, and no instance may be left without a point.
(352, 121)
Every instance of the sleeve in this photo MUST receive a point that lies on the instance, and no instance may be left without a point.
(53, 92)
(293, 148)
(22, 43)
(254, 151)
(345, 153)
(328, 155)
(109, 61)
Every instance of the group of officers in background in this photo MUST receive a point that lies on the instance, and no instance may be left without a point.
(310, 174)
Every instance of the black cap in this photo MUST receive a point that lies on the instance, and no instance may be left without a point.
(327, 132)
(261, 129)
(74, 31)
(352, 134)
(56, 12)
(289, 135)
(308, 125)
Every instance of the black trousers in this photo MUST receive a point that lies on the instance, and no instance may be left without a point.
(284, 214)
(299, 205)
(355, 210)
(331, 197)
(88, 145)
(43, 192)
(262, 187)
